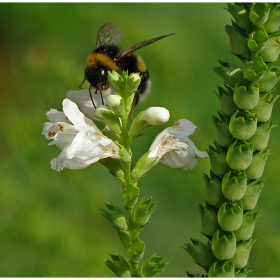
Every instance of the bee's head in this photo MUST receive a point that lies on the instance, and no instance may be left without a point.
(97, 77)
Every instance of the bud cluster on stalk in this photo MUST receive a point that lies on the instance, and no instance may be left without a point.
(242, 130)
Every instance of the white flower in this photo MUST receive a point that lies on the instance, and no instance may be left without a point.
(80, 140)
(155, 116)
(174, 148)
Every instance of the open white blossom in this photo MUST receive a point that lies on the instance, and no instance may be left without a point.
(174, 148)
(80, 140)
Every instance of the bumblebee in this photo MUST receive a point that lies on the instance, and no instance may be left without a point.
(107, 56)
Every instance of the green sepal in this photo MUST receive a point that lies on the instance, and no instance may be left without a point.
(209, 222)
(256, 168)
(228, 72)
(114, 166)
(142, 212)
(118, 265)
(221, 269)
(152, 266)
(246, 94)
(115, 216)
(132, 83)
(223, 136)
(230, 216)
(252, 194)
(125, 156)
(270, 79)
(239, 155)
(217, 156)
(213, 190)
(135, 250)
(223, 244)
(255, 69)
(124, 237)
(241, 256)
(246, 229)
(257, 40)
(243, 124)
(272, 49)
(116, 103)
(273, 22)
(264, 107)
(234, 185)
(130, 195)
(200, 252)
(259, 13)
(243, 272)
(261, 137)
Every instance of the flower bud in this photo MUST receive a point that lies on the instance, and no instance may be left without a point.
(151, 116)
(114, 166)
(238, 41)
(130, 195)
(273, 21)
(217, 156)
(135, 250)
(132, 83)
(242, 273)
(229, 73)
(117, 81)
(223, 244)
(223, 136)
(239, 155)
(124, 236)
(271, 51)
(234, 185)
(116, 103)
(209, 222)
(152, 266)
(246, 95)
(230, 216)
(247, 227)
(243, 124)
(252, 194)
(270, 79)
(114, 215)
(142, 212)
(264, 107)
(241, 256)
(200, 252)
(256, 168)
(213, 190)
(221, 269)
(260, 138)
(259, 13)
(257, 40)
(118, 265)
(255, 69)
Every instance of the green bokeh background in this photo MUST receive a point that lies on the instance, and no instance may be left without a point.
(49, 221)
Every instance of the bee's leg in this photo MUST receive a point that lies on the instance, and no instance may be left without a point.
(82, 82)
(102, 100)
(91, 98)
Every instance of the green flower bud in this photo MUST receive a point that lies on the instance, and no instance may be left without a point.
(221, 269)
(118, 265)
(213, 190)
(270, 79)
(200, 252)
(243, 272)
(114, 215)
(240, 14)
(252, 194)
(230, 216)
(152, 266)
(124, 236)
(229, 73)
(246, 229)
(257, 40)
(234, 185)
(259, 13)
(239, 155)
(238, 41)
(114, 166)
(116, 103)
(246, 94)
(217, 158)
(132, 83)
(223, 244)
(256, 168)
(272, 49)
(109, 118)
(255, 69)
(222, 134)
(135, 250)
(130, 195)
(273, 22)
(241, 256)
(226, 100)
(142, 212)
(209, 222)
(260, 138)
(125, 156)
(264, 107)
(243, 124)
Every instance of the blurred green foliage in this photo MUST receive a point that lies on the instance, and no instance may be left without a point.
(49, 222)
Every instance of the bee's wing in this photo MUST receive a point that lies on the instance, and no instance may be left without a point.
(132, 49)
(109, 34)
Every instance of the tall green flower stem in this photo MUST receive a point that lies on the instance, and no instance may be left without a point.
(242, 130)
